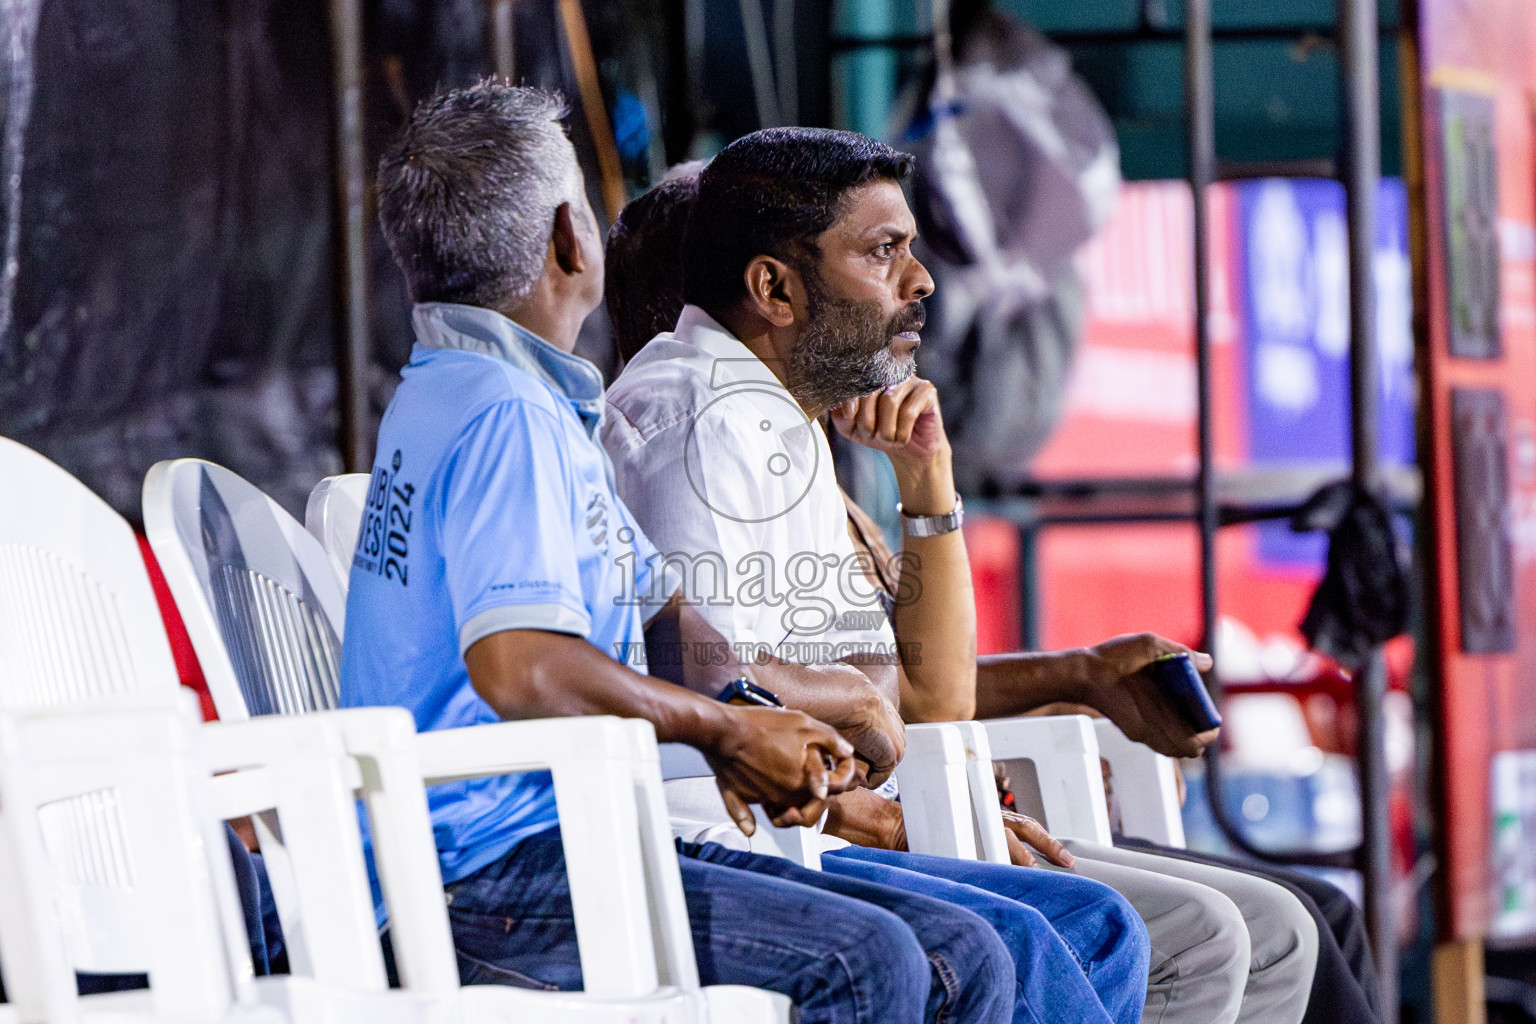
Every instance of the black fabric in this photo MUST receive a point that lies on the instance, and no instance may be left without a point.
(259, 907)
(261, 925)
(1362, 601)
(1344, 986)
(174, 221)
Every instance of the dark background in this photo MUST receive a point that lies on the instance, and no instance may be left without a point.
(169, 196)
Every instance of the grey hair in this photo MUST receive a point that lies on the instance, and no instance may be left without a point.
(468, 193)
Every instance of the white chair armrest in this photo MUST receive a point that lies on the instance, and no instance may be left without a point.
(595, 772)
(1147, 785)
(935, 793)
(299, 766)
(1065, 752)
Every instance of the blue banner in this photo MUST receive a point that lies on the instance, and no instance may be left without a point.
(1295, 308)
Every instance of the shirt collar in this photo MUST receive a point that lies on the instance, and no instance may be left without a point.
(476, 329)
(733, 362)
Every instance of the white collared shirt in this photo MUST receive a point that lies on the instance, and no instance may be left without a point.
(735, 487)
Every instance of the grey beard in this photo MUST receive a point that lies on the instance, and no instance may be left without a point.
(843, 353)
(820, 380)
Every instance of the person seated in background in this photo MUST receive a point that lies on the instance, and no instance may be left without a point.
(511, 597)
(645, 297)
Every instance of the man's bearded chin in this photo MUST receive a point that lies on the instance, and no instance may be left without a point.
(845, 350)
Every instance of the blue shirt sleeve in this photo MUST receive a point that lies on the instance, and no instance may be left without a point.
(508, 527)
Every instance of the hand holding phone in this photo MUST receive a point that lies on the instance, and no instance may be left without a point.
(1178, 677)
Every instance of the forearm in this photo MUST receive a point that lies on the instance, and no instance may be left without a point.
(533, 674)
(935, 615)
(848, 699)
(683, 648)
(837, 693)
(1014, 684)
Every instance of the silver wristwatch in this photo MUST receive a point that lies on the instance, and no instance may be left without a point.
(933, 526)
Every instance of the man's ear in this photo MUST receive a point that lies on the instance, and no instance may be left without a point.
(567, 241)
(774, 289)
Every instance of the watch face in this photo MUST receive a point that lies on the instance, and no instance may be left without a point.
(759, 695)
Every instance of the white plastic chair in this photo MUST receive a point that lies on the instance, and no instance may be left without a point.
(79, 630)
(333, 516)
(1053, 763)
(1063, 753)
(137, 765)
(1147, 784)
(78, 624)
(312, 764)
(158, 763)
(263, 608)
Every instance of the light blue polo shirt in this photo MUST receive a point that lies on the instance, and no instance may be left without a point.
(491, 507)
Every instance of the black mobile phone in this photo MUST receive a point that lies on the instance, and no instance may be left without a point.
(1177, 675)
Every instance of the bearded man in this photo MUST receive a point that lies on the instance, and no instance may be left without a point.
(1226, 947)
(802, 292)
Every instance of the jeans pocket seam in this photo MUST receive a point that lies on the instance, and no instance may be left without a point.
(519, 980)
(951, 983)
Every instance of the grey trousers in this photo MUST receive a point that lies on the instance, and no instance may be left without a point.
(1227, 947)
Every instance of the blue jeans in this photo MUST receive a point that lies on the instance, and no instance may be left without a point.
(844, 950)
(1080, 952)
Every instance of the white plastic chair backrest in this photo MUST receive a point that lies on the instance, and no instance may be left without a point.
(258, 597)
(1146, 785)
(78, 618)
(1063, 753)
(934, 777)
(170, 871)
(333, 516)
(78, 625)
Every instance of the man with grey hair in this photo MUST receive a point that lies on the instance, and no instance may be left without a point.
(467, 197)
(497, 575)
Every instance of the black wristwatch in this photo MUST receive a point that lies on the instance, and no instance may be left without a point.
(744, 691)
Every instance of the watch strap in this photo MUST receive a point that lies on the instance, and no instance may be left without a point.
(933, 526)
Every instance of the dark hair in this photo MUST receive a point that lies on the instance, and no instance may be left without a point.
(468, 192)
(644, 263)
(772, 193)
